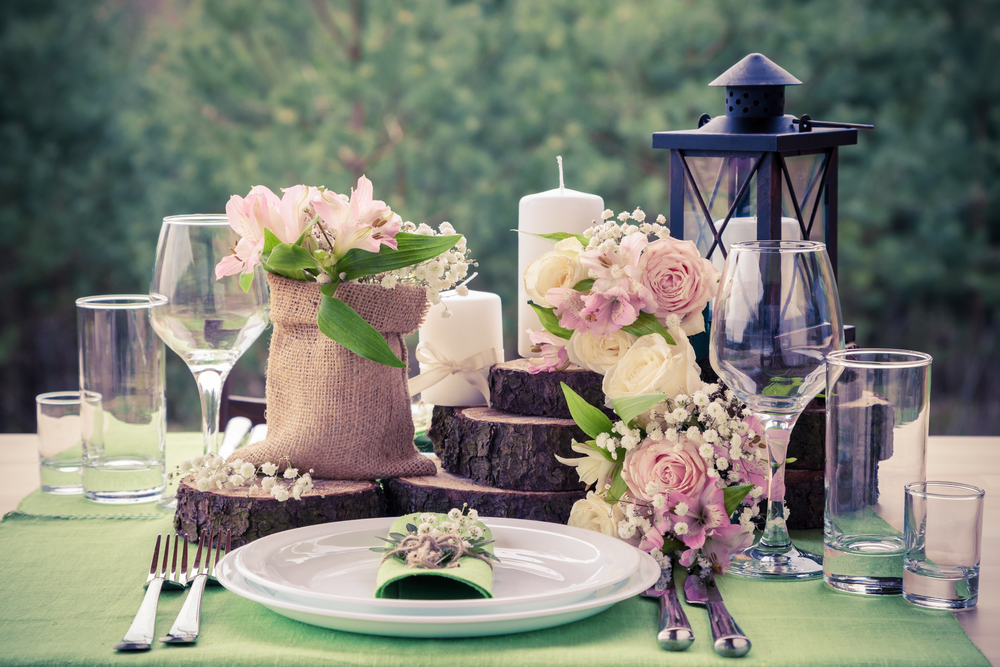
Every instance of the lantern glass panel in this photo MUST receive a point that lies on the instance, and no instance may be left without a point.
(717, 188)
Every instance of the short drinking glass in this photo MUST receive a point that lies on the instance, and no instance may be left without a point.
(943, 534)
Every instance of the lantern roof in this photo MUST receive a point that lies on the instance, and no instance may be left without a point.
(755, 70)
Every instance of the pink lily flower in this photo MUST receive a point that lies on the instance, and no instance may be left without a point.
(249, 217)
(706, 512)
(568, 304)
(553, 351)
(607, 312)
(360, 223)
(723, 543)
(296, 210)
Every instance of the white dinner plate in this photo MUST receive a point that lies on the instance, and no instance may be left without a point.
(541, 565)
(416, 623)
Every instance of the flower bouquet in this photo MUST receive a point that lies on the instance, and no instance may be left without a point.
(616, 303)
(348, 279)
(678, 475)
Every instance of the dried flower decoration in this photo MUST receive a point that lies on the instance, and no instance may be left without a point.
(438, 542)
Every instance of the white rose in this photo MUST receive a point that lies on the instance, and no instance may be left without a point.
(652, 366)
(592, 513)
(559, 267)
(596, 353)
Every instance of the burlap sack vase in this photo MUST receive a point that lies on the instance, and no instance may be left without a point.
(329, 410)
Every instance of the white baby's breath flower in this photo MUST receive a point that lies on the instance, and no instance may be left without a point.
(268, 468)
(681, 509)
(279, 493)
(473, 515)
(248, 471)
(267, 484)
(607, 214)
(425, 528)
(462, 290)
(721, 463)
(681, 528)
(291, 473)
(454, 514)
(427, 517)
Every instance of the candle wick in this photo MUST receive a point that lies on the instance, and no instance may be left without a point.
(562, 185)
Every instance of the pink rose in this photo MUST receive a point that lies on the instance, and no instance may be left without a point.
(656, 468)
(681, 281)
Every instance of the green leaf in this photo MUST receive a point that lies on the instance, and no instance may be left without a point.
(584, 285)
(600, 450)
(734, 495)
(618, 486)
(270, 242)
(288, 257)
(330, 288)
(781, 386)
(547, 316)
(592, 421)
(411, 249)
(631, 407)
(341, 323)
(648, 324)
(556, 237)
(670, 545)
(246, 281)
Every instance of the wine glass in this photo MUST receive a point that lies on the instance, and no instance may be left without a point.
(776, 316)
(209, 322)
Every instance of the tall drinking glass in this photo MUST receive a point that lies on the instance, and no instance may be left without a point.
(776, 316)
(209, 322)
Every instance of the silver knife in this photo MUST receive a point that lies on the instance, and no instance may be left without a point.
(675, 632)
(730, 642)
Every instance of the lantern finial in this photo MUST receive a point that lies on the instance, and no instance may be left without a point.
(755, 88)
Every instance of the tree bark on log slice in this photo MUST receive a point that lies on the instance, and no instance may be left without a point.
(253, 517)
(445, 490)
(513, 389)
(506, 451)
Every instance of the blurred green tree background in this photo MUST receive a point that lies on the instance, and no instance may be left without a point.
(116, 113)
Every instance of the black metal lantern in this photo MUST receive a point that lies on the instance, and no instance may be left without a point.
(755, 173)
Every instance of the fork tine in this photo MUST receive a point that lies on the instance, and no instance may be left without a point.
(184, 565)
(156, 560)
(166, 557)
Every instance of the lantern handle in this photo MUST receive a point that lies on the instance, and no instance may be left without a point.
(806, 123)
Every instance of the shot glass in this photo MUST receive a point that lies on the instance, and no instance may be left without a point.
(123, 414)
(877, 405)
(59, 446)
(944, 533)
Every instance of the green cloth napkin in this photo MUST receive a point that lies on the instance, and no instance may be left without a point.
(472, 578)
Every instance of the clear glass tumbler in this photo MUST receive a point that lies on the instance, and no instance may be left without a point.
(944, 534)
(877, 407)
(123, 410)
(59, 447)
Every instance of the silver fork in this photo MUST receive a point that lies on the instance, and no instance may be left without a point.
(185, 628)
(140, 634)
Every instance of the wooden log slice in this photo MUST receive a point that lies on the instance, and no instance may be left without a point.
(513, 389)
(253, 517)
(504, 450)
(441, 492)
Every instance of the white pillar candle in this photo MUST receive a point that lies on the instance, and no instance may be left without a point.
(475, 324)
(745, 229)
(559, 210)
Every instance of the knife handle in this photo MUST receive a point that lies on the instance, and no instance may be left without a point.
(730, 642)
(675, 631)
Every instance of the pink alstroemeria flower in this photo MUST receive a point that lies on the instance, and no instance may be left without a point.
(705, 513)
(249, 217)
(296, 210)
(724, 541)
(568, 304)
(553, 351)
(607, 312)
(662, 522)
(360, 223)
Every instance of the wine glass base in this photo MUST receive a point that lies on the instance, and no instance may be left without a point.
(764, 563)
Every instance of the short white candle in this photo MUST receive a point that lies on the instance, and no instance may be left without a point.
(475, 324)
(745, 229)
(559, 210)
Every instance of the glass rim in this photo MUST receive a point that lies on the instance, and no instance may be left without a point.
(779, 245)
(921, 490)
(67, 397)
(121, 301)
(206, 219)
(908, 358)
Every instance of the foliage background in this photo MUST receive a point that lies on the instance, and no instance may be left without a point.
(115, 113)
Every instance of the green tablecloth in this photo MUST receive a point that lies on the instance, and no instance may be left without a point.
(70, 588)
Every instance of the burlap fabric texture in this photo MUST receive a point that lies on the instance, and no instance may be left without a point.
(329, 410)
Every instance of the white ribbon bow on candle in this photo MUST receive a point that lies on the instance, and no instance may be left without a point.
(441, 367)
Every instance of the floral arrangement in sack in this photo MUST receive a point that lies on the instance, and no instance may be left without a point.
(314, 234)
(211, 472)
(611, 292)
(680, 475)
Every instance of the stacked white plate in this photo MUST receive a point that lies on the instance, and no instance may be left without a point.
(548, 574)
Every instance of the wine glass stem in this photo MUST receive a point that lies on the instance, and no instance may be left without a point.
(777, 429)
(210, 383)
